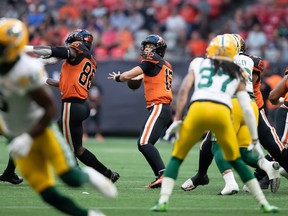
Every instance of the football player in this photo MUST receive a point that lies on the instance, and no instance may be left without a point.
(157, 75)
(215, 79)
(267, 137)
(36, 145)
(77, 72)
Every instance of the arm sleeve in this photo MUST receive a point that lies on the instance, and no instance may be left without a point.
(249, 116)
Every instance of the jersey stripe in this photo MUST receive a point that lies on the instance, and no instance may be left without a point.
(273, 131)
(65, 124)
(150, 124)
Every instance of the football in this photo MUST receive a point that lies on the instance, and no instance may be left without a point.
(134, 84)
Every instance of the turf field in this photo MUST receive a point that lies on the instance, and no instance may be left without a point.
(121, 154)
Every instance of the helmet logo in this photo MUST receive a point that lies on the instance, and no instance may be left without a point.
(15, 31)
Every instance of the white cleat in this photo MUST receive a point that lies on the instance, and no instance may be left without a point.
(101, 183)
(229, 190)
(246, 189)
(283, 172)
(95, 213)
(274, 176)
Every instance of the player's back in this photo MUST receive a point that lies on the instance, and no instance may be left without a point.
(211, 85)
(18, 110)
(247, 64)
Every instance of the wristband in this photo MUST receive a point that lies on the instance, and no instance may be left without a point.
(117, 78)
(28, 48)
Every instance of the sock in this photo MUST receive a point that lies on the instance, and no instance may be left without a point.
(166, 189)
(90, 160)
(249, 157)
(242, 169)
(221, 163)
(256, 191)
(10, 169)
(62, 203)
(229, 178)
(74, 177)
(172, 168)
(153, 157)
(205, 156)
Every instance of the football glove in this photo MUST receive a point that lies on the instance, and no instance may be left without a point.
(173, 129)
(20, 146)
(255, 145)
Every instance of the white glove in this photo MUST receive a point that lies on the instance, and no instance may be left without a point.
(20, 146)
(173, 129)
(255, 145)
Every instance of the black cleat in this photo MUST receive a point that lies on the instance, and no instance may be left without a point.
(157, 183)
(195, 181)
(13, 179)
(114, 176)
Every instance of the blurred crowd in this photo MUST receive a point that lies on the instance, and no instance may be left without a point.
(119, 26)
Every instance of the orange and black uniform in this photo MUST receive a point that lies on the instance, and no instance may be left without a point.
(281, 123)
(74, 84)
(158, 75)
(267, 134)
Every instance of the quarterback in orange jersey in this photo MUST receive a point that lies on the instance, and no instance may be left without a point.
(157, 75)
(75, 81)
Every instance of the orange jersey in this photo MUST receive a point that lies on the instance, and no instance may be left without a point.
(258, 69)
(286, 95)
(76, 76)
(158, 75)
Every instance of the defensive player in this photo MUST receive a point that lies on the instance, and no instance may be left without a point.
(36, 145)
(216, 79)
(157, 74)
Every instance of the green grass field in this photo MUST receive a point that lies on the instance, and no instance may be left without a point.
(122, 155)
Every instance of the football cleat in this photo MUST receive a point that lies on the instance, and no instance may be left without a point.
(195, 181)
(159, 207)
(13, 179)
(95, 213)
(283, 172)
(114, 176)
(264, 182)
(101, 183)
(229, 190)
(269, 208)
(157, 183)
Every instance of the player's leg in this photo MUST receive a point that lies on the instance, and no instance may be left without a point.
(159, 117)
(9, 174)
(73, 115)
(231, 152)
(205, 159)
(225, 168)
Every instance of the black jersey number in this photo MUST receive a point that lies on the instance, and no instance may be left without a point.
(169, 74)
(86, 75)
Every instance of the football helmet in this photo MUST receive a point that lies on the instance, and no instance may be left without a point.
(240, 43)
(14, 36)
(158, 41)
(222, 47)
(80, 35)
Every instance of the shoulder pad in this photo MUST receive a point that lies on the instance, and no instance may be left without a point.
(258, 63)
(79, 46)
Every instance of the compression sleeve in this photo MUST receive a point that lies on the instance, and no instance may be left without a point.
(248, 113)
